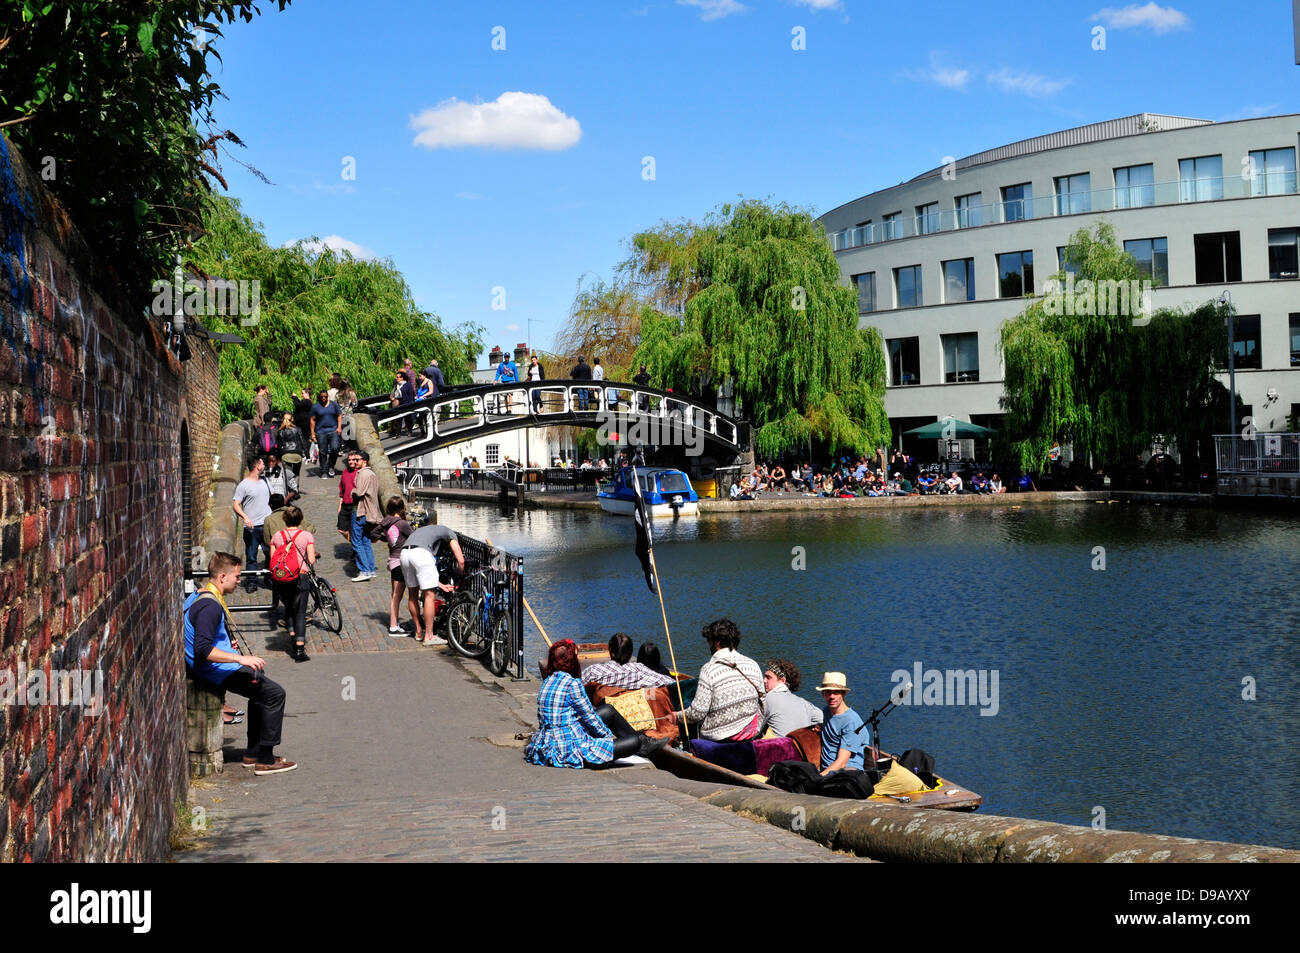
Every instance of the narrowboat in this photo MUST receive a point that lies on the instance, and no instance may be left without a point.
(667, 492)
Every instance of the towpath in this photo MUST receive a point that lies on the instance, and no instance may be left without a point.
(408, 753)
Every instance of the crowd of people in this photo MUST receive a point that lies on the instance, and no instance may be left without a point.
(735, 700)
(848, 478)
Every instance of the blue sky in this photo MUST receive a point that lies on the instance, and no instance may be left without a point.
(529, 192)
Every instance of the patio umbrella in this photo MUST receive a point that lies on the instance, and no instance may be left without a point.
(950, 428)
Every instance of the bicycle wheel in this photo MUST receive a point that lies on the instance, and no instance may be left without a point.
(463, 627)
(330, 614)
(501, 645)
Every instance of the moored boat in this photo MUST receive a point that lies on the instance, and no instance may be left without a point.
(667, 492)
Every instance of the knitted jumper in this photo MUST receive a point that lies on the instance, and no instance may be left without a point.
(729, 695)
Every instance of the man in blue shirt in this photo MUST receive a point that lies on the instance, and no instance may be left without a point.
(211, 656)
(325, 432)
(507, 373)
(844, 735)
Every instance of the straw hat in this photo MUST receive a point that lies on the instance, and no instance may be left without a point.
(834, 682)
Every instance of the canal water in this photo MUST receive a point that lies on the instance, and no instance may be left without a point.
(1159, 694)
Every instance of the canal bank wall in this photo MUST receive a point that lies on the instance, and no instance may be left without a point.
(793, 502)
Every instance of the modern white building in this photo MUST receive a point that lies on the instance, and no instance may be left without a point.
(941, 261)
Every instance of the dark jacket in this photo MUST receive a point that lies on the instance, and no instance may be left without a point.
(379, 533)
(434, 373)
(581, 371)
(302, 414)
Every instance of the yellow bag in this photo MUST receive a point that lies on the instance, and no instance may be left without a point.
(635, 707)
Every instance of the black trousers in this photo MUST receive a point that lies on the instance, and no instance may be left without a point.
(265, 706)
(294, 596)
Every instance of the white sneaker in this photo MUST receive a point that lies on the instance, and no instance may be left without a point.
(436, 640)
(397, 632)
(363, 577)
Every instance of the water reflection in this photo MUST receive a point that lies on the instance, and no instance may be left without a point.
(1120, 689)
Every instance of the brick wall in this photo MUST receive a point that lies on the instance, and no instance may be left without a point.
(92, 407)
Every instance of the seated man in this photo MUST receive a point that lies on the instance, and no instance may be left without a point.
(980, 483)
(728, 703)
(211, 657)
(954, 482)
(620, 671)
(844, 735)
(786, 711)
(738, 492)
(925, 483)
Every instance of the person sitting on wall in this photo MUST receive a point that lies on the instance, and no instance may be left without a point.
(995, 485)
(211, 658)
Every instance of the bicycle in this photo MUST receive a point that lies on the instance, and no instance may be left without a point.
(329, 614)
(483, 625)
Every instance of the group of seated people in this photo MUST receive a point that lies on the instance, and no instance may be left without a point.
(580, 724)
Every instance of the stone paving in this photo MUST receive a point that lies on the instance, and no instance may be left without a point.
(409, 753)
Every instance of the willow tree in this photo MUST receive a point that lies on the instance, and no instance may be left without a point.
(1094, 369)
(320, 312)
(750, 298)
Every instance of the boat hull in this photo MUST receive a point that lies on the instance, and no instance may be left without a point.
(657, 510)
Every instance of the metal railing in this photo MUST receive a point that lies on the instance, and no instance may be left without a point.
(1271, 454)
(1172, 192)
(532, 479)
(505, 570)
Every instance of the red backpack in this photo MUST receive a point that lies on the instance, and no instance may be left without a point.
(286, 564)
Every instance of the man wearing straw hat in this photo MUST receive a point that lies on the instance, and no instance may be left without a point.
(844, 735)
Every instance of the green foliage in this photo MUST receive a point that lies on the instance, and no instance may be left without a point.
(320, 313)
(114, 94)
(752, 297)
(1101, 382)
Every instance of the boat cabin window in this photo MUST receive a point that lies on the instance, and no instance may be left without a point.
(673, 483)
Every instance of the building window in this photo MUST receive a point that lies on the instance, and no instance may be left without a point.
(907, 283)
(1218, 257)
(1070, 267)
(1152, 256)
(959, 280)
(927, 219)
(1282, 257)
(904, 361)
(1245, 342)
(1017, 202)
(1073, 193)
(961, 358)
(862, 233)
(1294, 327)
(1272, 172)
(837, 241)
(969, 210)
(893, 226)
(866, 285)
(1135, 186)
(1200, 179)
(492, 454)
(1016, 274)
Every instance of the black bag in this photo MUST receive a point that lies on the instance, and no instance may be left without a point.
(921, 764)
(797, 777)
(849, 783)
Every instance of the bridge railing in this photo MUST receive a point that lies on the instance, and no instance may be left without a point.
(463, 410)
(533, 479)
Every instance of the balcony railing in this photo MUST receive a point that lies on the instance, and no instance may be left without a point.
(1269, 454)
(1175, 192)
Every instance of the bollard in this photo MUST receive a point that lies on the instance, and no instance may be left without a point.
(203, 727)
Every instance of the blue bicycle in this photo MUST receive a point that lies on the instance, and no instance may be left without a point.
(483, 624)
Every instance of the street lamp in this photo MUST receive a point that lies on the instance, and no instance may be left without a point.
(1226, 300)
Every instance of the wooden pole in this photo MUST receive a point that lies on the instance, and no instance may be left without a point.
(533, 616)
(672, 655)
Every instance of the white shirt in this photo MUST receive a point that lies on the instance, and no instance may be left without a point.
(598, 373)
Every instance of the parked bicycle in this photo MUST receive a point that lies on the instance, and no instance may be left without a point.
(482, 625)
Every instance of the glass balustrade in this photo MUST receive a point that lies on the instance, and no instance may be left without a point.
(1145, 195)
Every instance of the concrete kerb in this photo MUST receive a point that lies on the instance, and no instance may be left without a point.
(898, 834)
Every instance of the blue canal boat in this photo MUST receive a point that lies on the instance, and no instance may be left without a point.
(667, 492)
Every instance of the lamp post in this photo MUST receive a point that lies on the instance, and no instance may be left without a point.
(1226, 300)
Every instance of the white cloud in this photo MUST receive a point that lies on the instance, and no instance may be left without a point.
(1152, 16)
(820, 4)
(1031, 84)
(940, 75)
(1253, 111)
(715, 9)
(514, 121)
(512, 328)
(314, 246)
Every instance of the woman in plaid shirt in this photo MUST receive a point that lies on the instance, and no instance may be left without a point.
(570, 733)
